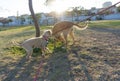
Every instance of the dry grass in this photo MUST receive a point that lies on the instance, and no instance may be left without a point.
(94, 57)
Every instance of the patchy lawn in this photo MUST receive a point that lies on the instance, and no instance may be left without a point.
(94, 57)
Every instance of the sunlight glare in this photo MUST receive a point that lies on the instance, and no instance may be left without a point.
(59, 6)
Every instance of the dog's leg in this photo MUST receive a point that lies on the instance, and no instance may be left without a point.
(72, 36)
(29, 53)
(61, 38)
(43, 51)
(65, 38)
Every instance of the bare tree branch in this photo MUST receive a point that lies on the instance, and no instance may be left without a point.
(100, 11)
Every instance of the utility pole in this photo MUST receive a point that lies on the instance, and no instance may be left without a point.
(17, 17)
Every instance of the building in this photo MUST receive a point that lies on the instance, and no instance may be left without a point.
(111, 10)
(107, 4)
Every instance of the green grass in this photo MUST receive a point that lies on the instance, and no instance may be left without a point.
(105, 24)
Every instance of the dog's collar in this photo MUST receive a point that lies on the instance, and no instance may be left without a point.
(45, 37)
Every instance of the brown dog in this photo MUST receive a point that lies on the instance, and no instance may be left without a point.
(61, 30)
(37, 42)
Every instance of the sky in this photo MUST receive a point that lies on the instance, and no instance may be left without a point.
(20, 7)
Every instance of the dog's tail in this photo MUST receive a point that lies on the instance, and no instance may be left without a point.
(81, 27)
(13, 42)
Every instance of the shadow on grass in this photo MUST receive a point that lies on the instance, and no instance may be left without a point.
(75, 50)
(56, 67)
(61, 66)
(23, 69)
(11, 74)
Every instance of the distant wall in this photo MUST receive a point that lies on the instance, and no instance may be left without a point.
(51, 20)
(112, 16)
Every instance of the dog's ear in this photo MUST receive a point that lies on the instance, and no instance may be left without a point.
(50, 32)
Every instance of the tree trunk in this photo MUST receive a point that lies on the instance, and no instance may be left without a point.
(34, 19)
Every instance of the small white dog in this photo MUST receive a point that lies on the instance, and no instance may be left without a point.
(37, 42)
